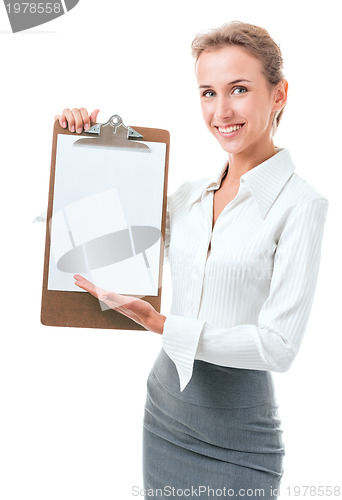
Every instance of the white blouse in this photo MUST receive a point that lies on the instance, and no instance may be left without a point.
(242, 293)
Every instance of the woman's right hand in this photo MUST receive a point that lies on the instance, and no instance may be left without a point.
(77, 119)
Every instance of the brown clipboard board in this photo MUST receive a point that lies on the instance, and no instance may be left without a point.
(83, 310)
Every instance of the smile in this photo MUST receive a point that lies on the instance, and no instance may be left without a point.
(231, 129)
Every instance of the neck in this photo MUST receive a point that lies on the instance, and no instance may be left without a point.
(240, 163)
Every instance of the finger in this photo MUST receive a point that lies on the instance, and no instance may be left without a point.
(62, 120)
(113, 303)
(88, 286)
(93, 116)
(122, 301)
(85, 284)
(85, 118)
(112, 299)
(131, 307)
(70, 119)
(78, 119)
(136, 309)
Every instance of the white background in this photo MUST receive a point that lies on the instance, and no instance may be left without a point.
(72, 399)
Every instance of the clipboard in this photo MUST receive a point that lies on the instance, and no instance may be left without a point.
(68, 308)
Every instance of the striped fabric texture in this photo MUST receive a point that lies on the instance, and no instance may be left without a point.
(242, 293)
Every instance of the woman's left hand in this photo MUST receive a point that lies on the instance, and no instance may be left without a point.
(140, 311)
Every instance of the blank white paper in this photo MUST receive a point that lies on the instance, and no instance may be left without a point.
(100, 194)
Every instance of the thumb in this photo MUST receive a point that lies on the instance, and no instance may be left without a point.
(93, 116)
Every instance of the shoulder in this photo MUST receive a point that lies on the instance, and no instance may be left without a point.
(295, 191)
(300, 194)
(304, 209)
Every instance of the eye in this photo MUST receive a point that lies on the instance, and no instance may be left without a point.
(244, 90)
(208, 93)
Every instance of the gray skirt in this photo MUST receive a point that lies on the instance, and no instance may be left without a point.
(220, 437)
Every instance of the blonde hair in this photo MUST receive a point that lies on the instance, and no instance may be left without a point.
(255, 40)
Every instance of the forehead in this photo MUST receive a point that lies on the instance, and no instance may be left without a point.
(228, 62)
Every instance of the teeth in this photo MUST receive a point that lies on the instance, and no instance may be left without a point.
(228, 130)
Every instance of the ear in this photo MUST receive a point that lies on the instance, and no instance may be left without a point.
(280, 95)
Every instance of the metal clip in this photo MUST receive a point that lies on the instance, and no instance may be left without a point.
(113, 134)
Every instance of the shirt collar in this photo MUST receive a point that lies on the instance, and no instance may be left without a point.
(265, 181)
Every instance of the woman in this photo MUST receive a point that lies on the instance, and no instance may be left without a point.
(244, 250)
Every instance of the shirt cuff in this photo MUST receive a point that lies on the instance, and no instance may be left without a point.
(179, 340)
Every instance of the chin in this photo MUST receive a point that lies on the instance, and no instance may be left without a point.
(229, 145)
(231, 148)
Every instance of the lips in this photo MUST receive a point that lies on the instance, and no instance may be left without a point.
(229, 130)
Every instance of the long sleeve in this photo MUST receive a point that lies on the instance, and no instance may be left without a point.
(274, 341)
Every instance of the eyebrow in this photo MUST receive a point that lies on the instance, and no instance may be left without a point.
(230, 83)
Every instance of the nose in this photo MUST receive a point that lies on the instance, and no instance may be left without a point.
(223, 108)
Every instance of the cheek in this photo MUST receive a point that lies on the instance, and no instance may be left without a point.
(246, 108)
(259, 112)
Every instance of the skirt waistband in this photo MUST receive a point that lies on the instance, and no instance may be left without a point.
(217, 386)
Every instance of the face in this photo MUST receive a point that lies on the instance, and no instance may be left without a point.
(237, 103)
